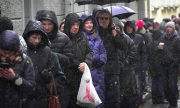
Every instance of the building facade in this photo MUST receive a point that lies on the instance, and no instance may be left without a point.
(160, 9)
(21, 11)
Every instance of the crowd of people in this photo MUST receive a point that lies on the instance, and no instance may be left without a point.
(123, 56)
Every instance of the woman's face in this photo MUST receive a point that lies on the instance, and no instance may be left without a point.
(35, 39)
(88, 25)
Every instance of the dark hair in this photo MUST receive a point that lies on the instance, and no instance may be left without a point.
(5, 24)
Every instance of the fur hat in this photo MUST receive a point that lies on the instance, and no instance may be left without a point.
(170, 24)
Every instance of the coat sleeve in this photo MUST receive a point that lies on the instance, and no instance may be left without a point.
(64, 58)
(28, 76)
(120, 41)
(59, 75)
(89, 56)
(131, 51)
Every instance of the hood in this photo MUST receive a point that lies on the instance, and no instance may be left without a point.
(9, 40)
(69, 21)
(95, 11)
(85, 17)
(48, 15)
(107, 11)
(5, 24)
(132, 25)
(117, 22)
(35, 26)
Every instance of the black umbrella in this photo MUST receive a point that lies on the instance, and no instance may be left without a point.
(121, 12)
(101, 2)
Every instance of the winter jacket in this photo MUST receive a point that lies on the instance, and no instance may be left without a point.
(121, 57)
(45, 65)
(171, 50)
(60, 42)
(80, 49)
(155, 55)
(147, 36)
(99, 56)
(139, 44)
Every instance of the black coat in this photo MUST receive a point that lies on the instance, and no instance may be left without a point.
(81, 52)
(45, 64)
(60, 42)
(155, 55)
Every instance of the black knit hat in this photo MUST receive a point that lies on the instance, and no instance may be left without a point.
(5, 24)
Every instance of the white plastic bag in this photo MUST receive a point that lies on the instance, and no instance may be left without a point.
(87, 95)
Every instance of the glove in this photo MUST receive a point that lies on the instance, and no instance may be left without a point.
(97, 63)
(46, 75)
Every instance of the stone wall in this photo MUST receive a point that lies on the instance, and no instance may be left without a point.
(14, 10)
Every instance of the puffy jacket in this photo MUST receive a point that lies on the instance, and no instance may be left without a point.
(60, 42)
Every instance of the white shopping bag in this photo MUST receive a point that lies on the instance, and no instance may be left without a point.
(87, 95)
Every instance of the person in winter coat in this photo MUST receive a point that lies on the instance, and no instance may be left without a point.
(130, 30)
(17, 76)
(82, 53)
(90, 29)
(155, 67)
(6, 24)
(120, 52)
(147, 36)
(171, 58)
(60, 42)
(44, 62)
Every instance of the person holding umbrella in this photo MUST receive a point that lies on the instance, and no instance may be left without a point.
(120, 52)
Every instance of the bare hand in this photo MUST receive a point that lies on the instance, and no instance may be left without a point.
(8, 74)
(81, 67)
(114, 33)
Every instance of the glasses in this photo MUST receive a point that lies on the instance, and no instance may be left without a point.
(103, 18)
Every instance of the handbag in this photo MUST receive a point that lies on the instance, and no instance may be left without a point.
(53, 97)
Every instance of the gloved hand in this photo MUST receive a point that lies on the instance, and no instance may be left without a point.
(97, 63)
(46, 75)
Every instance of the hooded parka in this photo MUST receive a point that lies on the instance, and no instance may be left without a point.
(45, 65)
(99, 57)
(81, 53)
(60, 42)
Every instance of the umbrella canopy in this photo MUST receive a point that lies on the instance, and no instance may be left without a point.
(121, 12)
(101, 2)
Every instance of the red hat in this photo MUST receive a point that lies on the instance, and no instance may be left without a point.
(140, 24)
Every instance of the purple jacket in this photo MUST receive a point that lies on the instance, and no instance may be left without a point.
(99, 57)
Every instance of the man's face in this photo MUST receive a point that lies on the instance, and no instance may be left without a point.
(169, 30)
(47, 25)
(35, 39)
(75, 28)
(88, 25)
(104, 19)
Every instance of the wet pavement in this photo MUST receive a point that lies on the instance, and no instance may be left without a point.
(148, 101)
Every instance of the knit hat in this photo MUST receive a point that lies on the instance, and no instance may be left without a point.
(170, 24)
(9, 40)
(140, 24)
